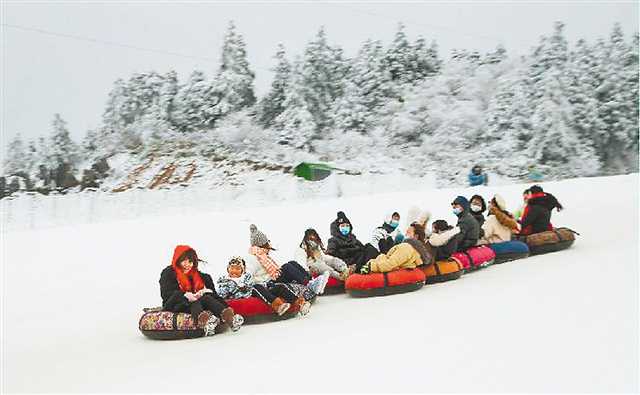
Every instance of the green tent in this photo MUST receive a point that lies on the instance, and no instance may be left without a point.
(313, 171)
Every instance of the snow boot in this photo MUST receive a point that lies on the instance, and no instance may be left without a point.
(318, 284)
(210, 326)
(202, 319)
(232, 319)
(280, 306)
(302, 305)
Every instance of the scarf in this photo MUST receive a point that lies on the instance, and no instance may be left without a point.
(190, 281)
(505, 219)
(269, 265)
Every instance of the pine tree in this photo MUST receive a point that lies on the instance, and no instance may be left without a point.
(398, 57)
(272, 104)
(296, 123)
(323, 72)
(234, 81)
(194, 104)
(15, 159)
(63, 149)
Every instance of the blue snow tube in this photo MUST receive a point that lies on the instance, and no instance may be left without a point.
(509, 250)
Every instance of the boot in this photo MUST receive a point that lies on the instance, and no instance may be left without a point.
(232, 319)
(280, 306)
(302, 305)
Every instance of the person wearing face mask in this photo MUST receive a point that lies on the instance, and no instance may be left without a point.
(469, 227)
(346, 246)
(477, 207)
(409, 254)
(312, 253)
(384, 237)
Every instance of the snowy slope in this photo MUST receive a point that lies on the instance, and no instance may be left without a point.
(567, 321)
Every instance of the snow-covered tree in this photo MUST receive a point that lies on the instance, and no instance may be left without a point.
(15, 159)
(63, 149)
(271, 104)
(194, 105)
(234, 81)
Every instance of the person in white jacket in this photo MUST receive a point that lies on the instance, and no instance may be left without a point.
(388, 234)
(500, 225)
(311, 255)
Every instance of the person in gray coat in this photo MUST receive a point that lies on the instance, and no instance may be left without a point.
(469, 227)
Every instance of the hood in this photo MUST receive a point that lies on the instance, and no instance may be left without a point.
(462, 201)
(178, 251)
(425, 254)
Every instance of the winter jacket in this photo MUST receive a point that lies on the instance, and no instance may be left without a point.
(257, 271)
(498, 227)
(445, 243)
(320, 262)
(401, 256)
(537, 214)
(478, 217)
(173, 298)
(469, 230)
(348, 248)
(235, 288)
(479, 179)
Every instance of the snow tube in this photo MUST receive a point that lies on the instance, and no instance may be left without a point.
(334, 286)
(550, 241)
(255, 310)
(166, 325)
(378, 284)
(475, 257)
(441, 271)
(509, 250)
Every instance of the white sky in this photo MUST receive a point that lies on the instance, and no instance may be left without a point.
(44, 74)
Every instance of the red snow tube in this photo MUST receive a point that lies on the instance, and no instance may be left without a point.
(333, 286)
(378, 284)
(255, 310)
(475, 257)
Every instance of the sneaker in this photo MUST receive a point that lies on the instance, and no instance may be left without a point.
(237, 322)
(280, 306)
(317, 284)
(304, 308)
(283, 308)
(210, 326)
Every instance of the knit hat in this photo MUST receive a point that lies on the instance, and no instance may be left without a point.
(257, 238)
(342, 219)
(462, 201)
(499, 201)
(416, 215)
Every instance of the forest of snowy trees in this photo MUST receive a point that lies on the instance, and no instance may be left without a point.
(570, 110)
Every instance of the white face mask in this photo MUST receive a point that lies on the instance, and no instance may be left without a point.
(476, 208)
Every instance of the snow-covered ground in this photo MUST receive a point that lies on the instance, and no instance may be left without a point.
(568, 321)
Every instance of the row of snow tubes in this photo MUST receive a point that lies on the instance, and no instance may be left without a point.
(406, 280)
(165, 325)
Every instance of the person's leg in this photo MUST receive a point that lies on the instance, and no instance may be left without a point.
(263, 293)
(283, 291)
(195, 308)
(210, 303)
(292, 272)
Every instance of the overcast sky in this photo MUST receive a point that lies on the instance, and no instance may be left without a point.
(43, 74)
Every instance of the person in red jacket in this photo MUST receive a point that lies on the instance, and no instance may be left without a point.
(536, 216)
(185, 289)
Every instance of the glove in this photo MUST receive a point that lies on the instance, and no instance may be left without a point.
(366, 268)
(190, 296)
(399, 238)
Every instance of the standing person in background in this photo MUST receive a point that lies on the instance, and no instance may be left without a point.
(533, 174)
(469, 227)
(185, 289)
(477, 177)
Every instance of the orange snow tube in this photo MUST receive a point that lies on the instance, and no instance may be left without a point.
(378, 284)
(442, 271)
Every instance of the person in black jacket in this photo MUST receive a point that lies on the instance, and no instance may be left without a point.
(469, 227)
(536, 217)
(346, 246)
(185, 289)
(477, 207)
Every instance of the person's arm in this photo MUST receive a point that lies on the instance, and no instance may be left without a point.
(440, 239)
(385, 263)
(377, 235)
(170, 291)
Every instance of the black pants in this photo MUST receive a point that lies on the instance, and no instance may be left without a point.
(292, 272)
(273, 291)
(207, 302)
(367, 253)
